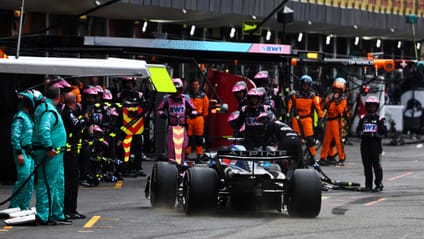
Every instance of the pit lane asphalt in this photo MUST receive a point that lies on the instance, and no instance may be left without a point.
(121, 211)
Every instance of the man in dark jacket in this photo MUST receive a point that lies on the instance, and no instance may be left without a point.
(74, 125)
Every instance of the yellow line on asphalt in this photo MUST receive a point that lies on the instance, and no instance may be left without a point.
(118, 184)
(6, 228)
(92, 221)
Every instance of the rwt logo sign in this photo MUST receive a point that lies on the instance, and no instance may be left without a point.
(272, 49)
(178, 109)
(369, 128)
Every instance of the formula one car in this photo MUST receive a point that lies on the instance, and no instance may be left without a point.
(238, 179)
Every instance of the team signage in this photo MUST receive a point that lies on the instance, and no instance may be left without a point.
(253, 153)
(190, 45)
(270, 48)
(249, 27)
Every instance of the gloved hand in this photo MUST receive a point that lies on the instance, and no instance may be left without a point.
(164, 116)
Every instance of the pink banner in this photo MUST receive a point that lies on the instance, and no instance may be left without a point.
(270, 48)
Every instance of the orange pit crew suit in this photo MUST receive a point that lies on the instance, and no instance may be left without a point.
(302, 105)
(196, 125)
(336, 106)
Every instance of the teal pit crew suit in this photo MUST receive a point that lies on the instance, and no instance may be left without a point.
(49, 133)
(21, 140)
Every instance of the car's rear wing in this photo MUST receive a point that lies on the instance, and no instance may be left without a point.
(84, 67)
(249, 155)
(254, 155)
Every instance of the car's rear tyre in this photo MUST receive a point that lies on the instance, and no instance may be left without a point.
(304, 194)
(163, 185)
(200, 190)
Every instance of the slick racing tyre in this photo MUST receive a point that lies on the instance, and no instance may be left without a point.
(304, 194)
(200, 190)
(163, 185)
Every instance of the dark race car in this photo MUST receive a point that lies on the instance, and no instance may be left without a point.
(248, 179)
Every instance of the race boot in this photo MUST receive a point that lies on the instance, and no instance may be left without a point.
(341, 162)
(323, 162)
(378, 188)
(331, 160)
(75, 215)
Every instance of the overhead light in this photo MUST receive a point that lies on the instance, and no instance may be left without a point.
(418, 45)
(253, 17)
(144, 26)
(309, 22)
(184, 11)
(192, 30)
(328, 40)
(355, 26)
(233, 32)
(399, 45)
(392, 29)
(378, 43)
(299, 37)
(268, 35)
(356, 41)
(97, 2)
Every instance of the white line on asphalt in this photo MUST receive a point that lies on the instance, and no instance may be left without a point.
(375, 202)
(400, 176)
